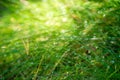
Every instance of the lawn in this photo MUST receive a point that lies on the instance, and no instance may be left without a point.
(59, 40)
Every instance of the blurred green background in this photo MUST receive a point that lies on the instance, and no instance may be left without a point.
(59, 40)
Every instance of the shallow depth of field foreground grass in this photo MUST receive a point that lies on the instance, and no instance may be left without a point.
(59, 40)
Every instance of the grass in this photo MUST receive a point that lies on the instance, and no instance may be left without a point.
(60, 40)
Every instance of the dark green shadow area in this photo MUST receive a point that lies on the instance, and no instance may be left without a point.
(9, 6)
(97, 0)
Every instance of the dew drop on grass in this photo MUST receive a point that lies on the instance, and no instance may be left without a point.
(64, 19)
(5, 55)
(112, 61)
(119, 56)
(63, 31)
(54, 43)
(31, 63)
(3, 47)
(104, 15)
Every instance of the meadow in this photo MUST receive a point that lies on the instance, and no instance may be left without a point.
(59, 40)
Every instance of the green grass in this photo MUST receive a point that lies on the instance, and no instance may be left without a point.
(60, 40)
